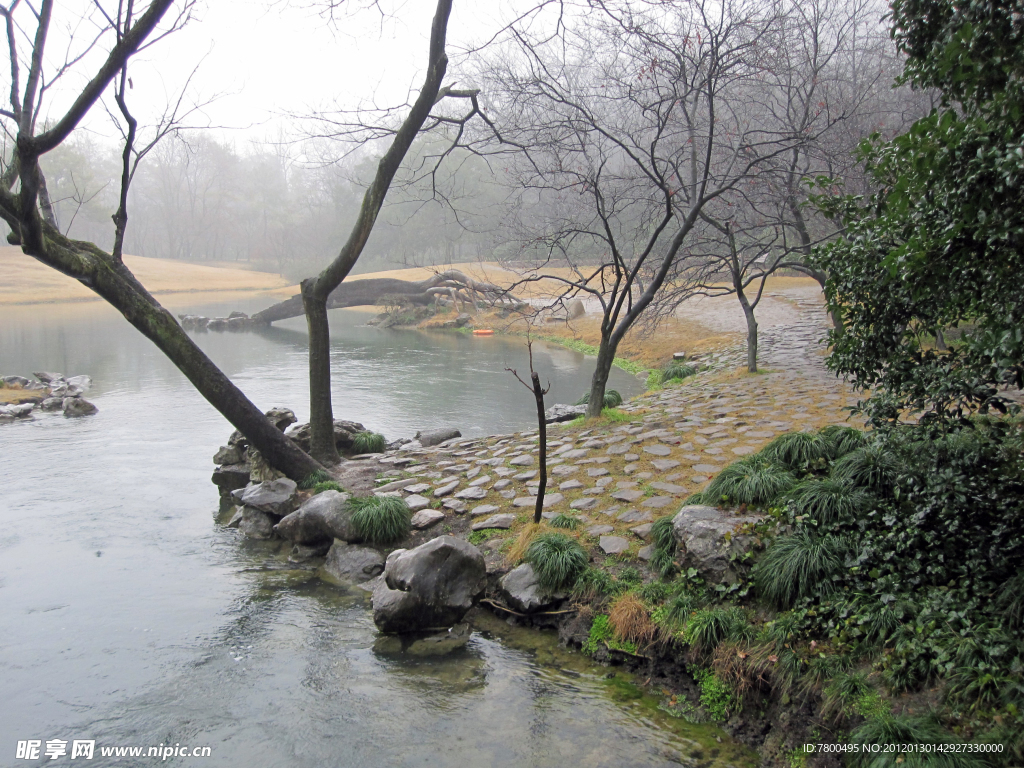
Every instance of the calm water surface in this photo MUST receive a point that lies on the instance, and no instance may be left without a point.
(127, 616)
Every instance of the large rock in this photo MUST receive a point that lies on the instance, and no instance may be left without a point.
(563, 413)
(78, 406)
(344, 434)
(324, 517)
(437, 436)
(428, 587)
(282, 418)
(352, 564)
(257, 524)
(47, 377)
(521, 590)
(52, 404)
(277, 497)
(707, 540)
(231, 477)
(78, 385)
(228, 454)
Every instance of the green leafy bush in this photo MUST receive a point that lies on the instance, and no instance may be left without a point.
(368, 442)
(380, 519)
(557, 559)
(717, 698)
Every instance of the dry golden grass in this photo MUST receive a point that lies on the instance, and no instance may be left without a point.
(630, 620)
(14, 395)
(526, 536)
(27, 281)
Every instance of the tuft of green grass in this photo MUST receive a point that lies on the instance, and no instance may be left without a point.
(654, 592)
(328, 485)
(872, 466)
(828, 500)
(918, 730)
(564, 521)
(369, 442)
(677, 370)
(842, 440)
(476, 538)
(557, 559)
(594, 583)
(317, 477)
(612, 399)
(753, 480)
(706, 628)
(797, 565)
(380, 519)
(794, 450)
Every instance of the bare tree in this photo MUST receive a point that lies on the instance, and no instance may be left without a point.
(636, 116)
(101, 271)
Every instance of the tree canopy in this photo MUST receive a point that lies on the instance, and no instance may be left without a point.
(937, 249)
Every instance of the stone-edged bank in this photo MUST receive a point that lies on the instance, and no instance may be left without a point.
(50, 392)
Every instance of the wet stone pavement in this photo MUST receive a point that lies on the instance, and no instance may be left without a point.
(617, 478)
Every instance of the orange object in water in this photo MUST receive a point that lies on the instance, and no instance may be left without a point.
(482, 332)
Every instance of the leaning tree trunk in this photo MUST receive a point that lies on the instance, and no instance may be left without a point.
(116, 284)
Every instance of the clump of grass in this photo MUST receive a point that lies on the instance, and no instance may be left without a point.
(919, 730)
(564, 521)
(612, 399)
(796, 449)
(630, 620)
(616, 416)
(871, 466)
(828, 500)
(594, 584)
(654, 592)
(320, 476)
(677, 370)
(753, 480)
(797, 565)
(706, 628)
(842, 440)
(380, 519)
(328, 485)
(526, 536)
(557, 559)
(630, 575)
(369, 442)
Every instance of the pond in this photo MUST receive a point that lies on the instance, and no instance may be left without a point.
(129, 618)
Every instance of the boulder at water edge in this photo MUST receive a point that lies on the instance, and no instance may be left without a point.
(707, 538)
(352, 563)
(275, 497)
(437, 436)
(78, 406)
(324, 517)
(428, 587)
(521, 589)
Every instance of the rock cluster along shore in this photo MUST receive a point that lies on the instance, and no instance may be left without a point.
(236, 321)
(50, 392)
